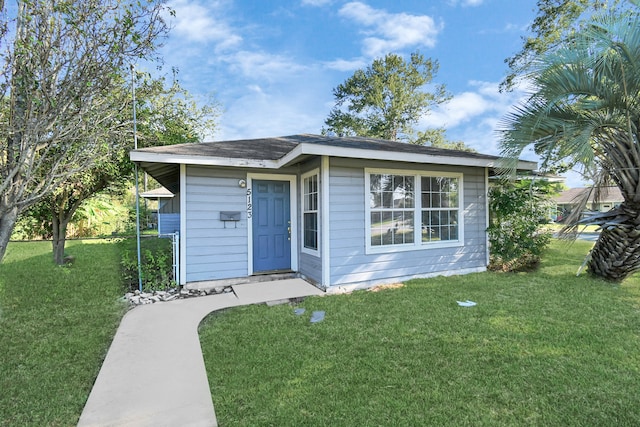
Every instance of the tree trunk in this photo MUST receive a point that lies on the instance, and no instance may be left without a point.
(8, 218)
(59, 229)
(616, 254)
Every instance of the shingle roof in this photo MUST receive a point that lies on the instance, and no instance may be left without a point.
(274, 153)
(254, 149)
(277, 147)
(607, 195)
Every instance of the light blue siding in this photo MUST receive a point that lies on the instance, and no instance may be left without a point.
(215, 249)
(309, 265)
(168, 223)
(350, 264)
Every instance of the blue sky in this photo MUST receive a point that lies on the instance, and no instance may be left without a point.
(272, 65)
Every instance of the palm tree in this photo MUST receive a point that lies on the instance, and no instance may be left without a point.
(585, 108)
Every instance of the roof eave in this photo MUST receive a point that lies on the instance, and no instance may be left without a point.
(306, 149)
(357, 153)
(139, 156)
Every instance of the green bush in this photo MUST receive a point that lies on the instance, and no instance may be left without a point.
(517, 238)
(157, 264)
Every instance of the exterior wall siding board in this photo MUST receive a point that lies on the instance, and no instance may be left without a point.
(202, 271)
(309, 265)
(213, 251)
(168, 223)
(349, 262)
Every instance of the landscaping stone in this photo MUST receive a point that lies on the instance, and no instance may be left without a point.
(140, 298)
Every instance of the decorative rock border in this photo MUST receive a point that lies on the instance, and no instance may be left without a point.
(142, 298)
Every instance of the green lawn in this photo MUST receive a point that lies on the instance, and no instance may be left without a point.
(545, 348)
(56, 324)
(539, 349)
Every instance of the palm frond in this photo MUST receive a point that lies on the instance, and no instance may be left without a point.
(584, 92)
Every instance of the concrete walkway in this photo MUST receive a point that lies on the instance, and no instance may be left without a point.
(154, 373)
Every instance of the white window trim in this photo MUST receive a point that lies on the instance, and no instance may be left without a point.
(418, 245)
(314, 252)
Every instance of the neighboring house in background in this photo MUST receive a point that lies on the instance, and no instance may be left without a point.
(168, 212)
(609, 198)
(342, 212)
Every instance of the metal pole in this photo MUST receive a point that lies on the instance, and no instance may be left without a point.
(135, 147)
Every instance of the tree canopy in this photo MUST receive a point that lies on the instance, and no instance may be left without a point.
(62, 64)
(166, 116)
(386, 99)
(556, 20)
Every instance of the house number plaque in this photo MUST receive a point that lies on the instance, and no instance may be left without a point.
(249, 204)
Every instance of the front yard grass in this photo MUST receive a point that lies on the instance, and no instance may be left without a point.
(56, 324)
(543, 348)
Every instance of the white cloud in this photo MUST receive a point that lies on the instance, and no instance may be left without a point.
(474, 116)
(346, 65)
(485, 98)
(196, 23)
(315, 2)
(263, 66)
(276, 111)
(465, 3)
(389, 32)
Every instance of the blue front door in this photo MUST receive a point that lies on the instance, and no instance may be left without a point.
(271, 226)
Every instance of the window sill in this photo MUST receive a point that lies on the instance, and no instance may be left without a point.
(406, 248)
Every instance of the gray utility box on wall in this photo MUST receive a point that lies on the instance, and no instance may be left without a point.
(233, 216)
(229, 216)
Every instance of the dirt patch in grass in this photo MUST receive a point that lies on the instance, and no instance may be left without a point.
(387, 286)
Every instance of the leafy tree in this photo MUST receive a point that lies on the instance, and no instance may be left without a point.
(437, 138)
(166, 116)
(585, 108)
(169, 115)
(60, 72)
(555, 21)
(386, 99)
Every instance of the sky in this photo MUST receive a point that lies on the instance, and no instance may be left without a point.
(272, 65)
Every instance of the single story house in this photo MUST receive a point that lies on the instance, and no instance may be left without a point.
(341, 212)
(167, 215)
(608, 198)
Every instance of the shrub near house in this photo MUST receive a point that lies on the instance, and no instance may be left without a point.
(515, 235)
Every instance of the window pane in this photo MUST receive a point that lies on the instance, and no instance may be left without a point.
(376, 182)
(453, 234)
(427, 228)
(311, 230)
(387, 199)
(435, 200)
(376, 229)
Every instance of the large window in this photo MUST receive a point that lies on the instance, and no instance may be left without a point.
(413, 210)
(310, 211)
